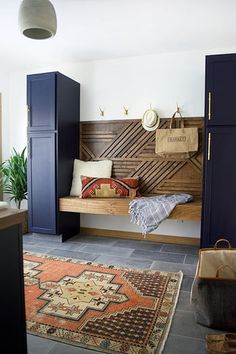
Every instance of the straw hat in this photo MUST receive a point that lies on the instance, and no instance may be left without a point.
(150, 120)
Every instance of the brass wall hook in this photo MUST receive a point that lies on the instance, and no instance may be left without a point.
(178, 108)
(101, 112)
(126, 111)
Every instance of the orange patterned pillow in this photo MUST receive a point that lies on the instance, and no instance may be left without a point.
(93, 187)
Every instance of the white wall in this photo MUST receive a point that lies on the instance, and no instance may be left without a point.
(159, 80)
(4, 89)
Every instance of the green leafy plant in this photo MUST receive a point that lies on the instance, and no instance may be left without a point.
(14, 177)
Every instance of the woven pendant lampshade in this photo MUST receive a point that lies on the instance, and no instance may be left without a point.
(37, 19)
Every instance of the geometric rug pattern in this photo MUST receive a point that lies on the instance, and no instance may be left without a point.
(105, 308)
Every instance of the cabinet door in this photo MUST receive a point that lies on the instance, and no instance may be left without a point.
(219, 190)
(41, 102)
(220, 90)
(42, 202)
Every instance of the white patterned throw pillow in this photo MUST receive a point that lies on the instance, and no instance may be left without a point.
(88, 168)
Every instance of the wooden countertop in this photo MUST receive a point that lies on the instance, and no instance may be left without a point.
(10, 217)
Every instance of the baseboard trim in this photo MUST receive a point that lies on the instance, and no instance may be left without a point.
(138, 236)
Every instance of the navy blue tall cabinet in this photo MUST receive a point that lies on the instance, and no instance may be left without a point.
(219, 183)
(53, 102)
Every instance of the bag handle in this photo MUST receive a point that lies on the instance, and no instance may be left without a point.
(174, 117)
(225, 266)
(222, 240)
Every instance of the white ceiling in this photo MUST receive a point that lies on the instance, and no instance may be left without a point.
(102, 29)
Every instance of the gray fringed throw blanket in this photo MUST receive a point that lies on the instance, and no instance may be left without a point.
(149, 212)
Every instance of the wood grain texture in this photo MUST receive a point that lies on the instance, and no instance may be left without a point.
(10, 217)
(120, 206)
(194, 241)
(132, 150)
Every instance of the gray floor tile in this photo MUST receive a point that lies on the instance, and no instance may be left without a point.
(180, 249)
(158, 256)
(96, 240)
(73, 246)
(100, 249)
(39, 345)
(184, 324)
(28, 234)
(38, 249)
(73, 254)
(139, 245)
(184, 301)
(28, 237)
(187, 283)
(187, 269)
(124, 262)
(61, 348)
(47, 243)
(54, 238)
(184, 345)
(191, 259)
(29, 242)
(69, 246)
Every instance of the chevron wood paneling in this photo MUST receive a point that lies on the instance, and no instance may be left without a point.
(132, 150)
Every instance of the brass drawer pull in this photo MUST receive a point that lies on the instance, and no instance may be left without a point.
(209, 147)
(209, 105)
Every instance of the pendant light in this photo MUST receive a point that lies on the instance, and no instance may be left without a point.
(37, 19)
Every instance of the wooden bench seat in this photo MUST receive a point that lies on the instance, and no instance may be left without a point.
(116, 206)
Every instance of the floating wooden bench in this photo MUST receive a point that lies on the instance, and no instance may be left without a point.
(132, 151)
(116, 206)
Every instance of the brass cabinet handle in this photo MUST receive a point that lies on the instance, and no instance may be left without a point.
(209, 147)
(28, 115)
(209, 105)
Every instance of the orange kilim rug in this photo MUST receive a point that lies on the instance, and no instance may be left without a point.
(104, 308)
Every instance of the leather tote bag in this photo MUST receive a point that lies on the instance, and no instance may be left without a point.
(214, 288)
(176, 143)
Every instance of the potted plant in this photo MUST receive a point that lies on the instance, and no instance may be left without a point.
(14, 177)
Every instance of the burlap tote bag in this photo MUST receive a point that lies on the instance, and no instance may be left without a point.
(213, 294)
(176, 143)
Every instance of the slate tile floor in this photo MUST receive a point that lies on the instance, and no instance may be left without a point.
(185, 337)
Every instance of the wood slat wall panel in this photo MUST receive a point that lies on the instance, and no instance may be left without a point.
(132, 150)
